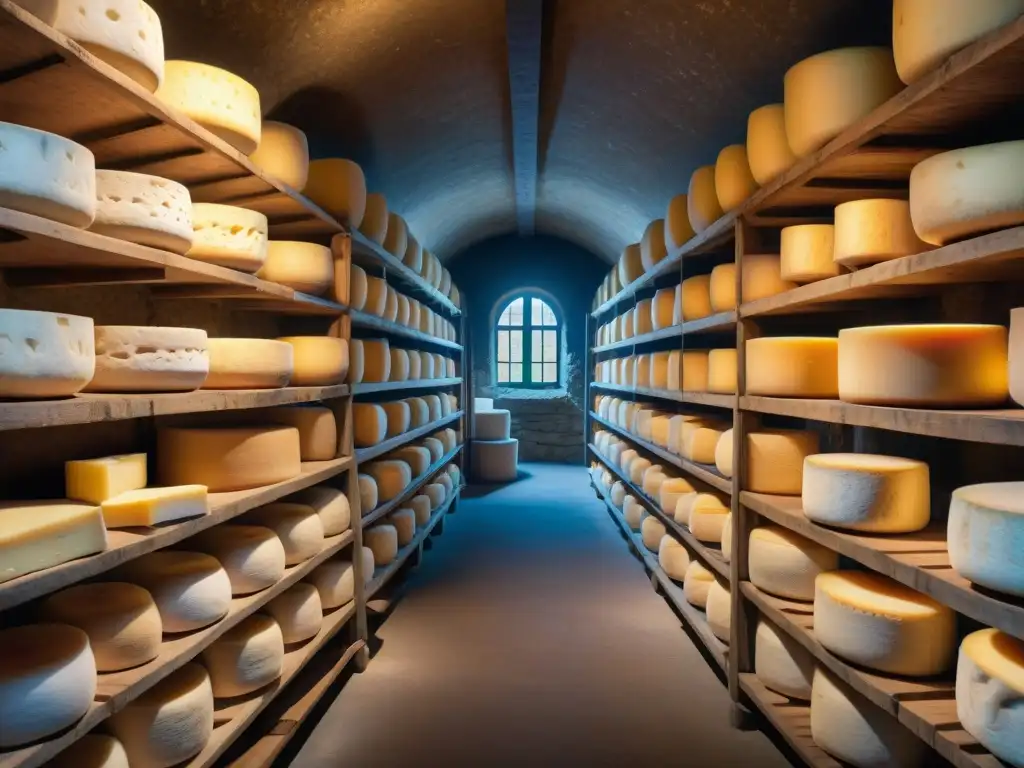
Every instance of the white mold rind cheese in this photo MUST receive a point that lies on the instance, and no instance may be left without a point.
(44, 354)
(985, 535)
(298, 612)
(190, 589)
(252, 555)
(149, 359)
(246, 658)
(989, 686)
(94, 750)
(283, 154)
(143, 209)
(782, 664)
(228, 236)
(784, 564)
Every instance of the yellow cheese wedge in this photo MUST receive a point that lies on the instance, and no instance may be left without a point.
(283, 154)
(793, 366)
(96, 480)
(768, 149)
(35, 535)
(339, 187)
(870, 231)
(154, 506)
(785, 564)
(703, 207)
(677, 223)
(807, 253)
(734, 182)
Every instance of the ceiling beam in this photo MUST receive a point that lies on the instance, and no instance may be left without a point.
(524, 25)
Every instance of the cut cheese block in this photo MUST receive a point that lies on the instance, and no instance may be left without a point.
(249, 364)
(399, 370)
(496, 461)
(252, 555)
(298, 612)
(775, 460)
(397, 418)
(827, 93)
(392, 477)
(223, 103)
(719, 611)
(228, 459)
(707, 518)
(330, 504)
(190, 589)
(967, 192)
(94, 750)
(298, 526)
(246, 658)
(283, 154)
(702, 203)
(371, 361)
(989, 682)
(44, 354)
(942, 365)
(671, 491)
(305, 267)
(148, 359)
(404, 521)
(632, 510)
(416, 456)
(339, 187)
(436, 493)
(418, 410)
(734, 182)
(768, 149)
(793, 366)
(878, 623)
(652, 245)
(678, 229)
(722, 374)
(870, 231)
(864, 492)
(781, 663)
(335, 580)
(228, 236)
(35, 535)
(376, 295)
(47, 175)
(984, 535)
(652, 530)
(143, 209)
(318, 429)
(630, 266)
(663, 309)
(807, 252)
(695, 298)
(96, 480)
(47, 681)
(320, 361)
(397, 238)
(375, 218)
(696, 584)
(367, 493)
(358, 287)
(673, 558)
(785, 564)
(382, 540)
(155, 506)
(121, 620)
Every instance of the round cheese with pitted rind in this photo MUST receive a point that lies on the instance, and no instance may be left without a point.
(339, 187)
(319, 361)
(252, 555)
(228, 236)
(651, 532)
(678, 229)
(298, 526)
(396, 240)
(734, 182)
(871, 231)
(702, 199)
(673, 558)
(696, 584)
(249, 364)
(806, 252)
(793, 366)
(305, 267)
(719, 610)
(44, 354)
(375, 218)
(298, 612)
(382, 540)
(989, 685)
(191, 589)
(331, 504)
(784, 564)
(143, 209)
(247, 657)
(283, 154)
(781, 663)
(223, 103)
(94, 750)
(985, 531)
(149, 359)
(768, 149)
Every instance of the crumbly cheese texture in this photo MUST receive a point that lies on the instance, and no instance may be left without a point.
(941, 365)
(305, 267)
(707, 518)
(673, 558)
(252, 555)
(298, 526)
(132, 358)
(985, 531)
(97, 480)
(382, 541)
(191, 589)
(320, 361)
(392, 477)
(734, 182)
(989, 683)
(339, 187)
(246, 658)
(768, 149)
(697, 583)
(155, 506)
(806, 253)
(652, 530)
(143, 209)
(298, 612)
(702, 203)
(866, 492)
(878, 623)
(793, 366)
(719, 610)
(495, 461)
(784, 564)
(318, 429)
(249, 364)
(652, 245)
(678, 229)
(630, 266)
(228, 236)
(283, 154)
(331, 504)
(694, 299)
(781, 663)
(870, 231)
(222, 102)
(36, 535)
(775, 460)
(44, 354)
(375, 218)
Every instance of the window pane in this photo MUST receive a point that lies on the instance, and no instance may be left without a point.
(550, 373)
(503, 372)
(506, 317)
(503, 354)
(516, 312)
(517, 346)
(536, 373)
(517, 373)
(550, 347)
(536, 311)
(536, 346)
(544, 315)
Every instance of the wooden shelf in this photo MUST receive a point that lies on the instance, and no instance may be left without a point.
(675, 396)
(127, 544)
(372, 322)
(388, 507)
(398, 386)
(365, 454)
(368, 253)
(723, 321)
(116, 690)
(91, 409)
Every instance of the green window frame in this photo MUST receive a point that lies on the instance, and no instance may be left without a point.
(527, 341)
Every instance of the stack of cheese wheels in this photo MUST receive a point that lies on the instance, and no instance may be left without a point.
(785, 564)
(495, 453)
(228, 236)
(782, 664)
(249, 364)
(142, 209)
(147, 359)
(42, 534)
(223, 103)
(45, 354)
(793, 366)
(989, 682)
(986, 524)
(283, 153)
(305, 267)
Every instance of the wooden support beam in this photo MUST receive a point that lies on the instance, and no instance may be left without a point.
(524, 21)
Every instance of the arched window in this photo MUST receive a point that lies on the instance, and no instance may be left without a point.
(527, 343)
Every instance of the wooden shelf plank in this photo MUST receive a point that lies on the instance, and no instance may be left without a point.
(365, 251)
(127, 544)
(390, 506)
(372, 322)
(675, 396)
(723, 321)
(365, 454)
(398, 386)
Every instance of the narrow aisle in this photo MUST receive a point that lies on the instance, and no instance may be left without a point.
(530, 636)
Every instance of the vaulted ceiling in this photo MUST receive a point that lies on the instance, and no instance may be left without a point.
(634, 94)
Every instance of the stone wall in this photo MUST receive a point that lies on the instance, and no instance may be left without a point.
(548, 429)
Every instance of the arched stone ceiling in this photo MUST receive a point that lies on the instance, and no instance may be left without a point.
(634, 95)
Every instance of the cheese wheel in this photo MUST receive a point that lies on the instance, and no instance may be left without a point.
(967, 192)
(793, 366)
(652, 530)
(396, 421)
(678, 230)
(762, 277)
(768, 149)
(35, 535)
(630, 266)
(47, 681)
(335, 581)
(155, 506)
(149, 359)
(228, 236)
(404, 310)
(94, 750)
(654, 478)
(694, 370)
(989, 681)
(722, 375)
(404, 521)
(449, 439)
(142, 209)
(941, 365)
(399, 365)
(298, 612)
(864, 492)
(358, 288)
(228, 459)
(246, 658)
(496, 461)
(671, 491)
(305, 267)
(339, 187)
(659, 369)
(436, 493)
(416, 456)
(618, 495)
(249, 364)
(727, 538)
(784, 564)
(376, 295)
(331, 504)
(707, 518)
(190, 589)
(418, 410)
(221, 102)
(642, 319)
(829, 92)
(375, 218)
(445, 284)
(367, 493)
(696, 584)
(699, 440)
(420, 505)
(392, 478)
(870, 231)
(983, 534)
(370, 361)
(673, 558)
(663, 309)
(426, 365)
(734, 182)
(807, 252)
(382, 540)
(684, 504)
(396, 241)
(632, 511)
(878, 623)
(318, 429)
(320, 361)
(652, 245)
(435, 446)
(283, 154)
(775, 460)
(120, 619)
(298, 526)
(695, 298)
(252, 555)
(719, 611)
(45, 354)
(781, 663)
(97, 480)
(455, 473)
(433, 407)
(723, 454)
(924, 32)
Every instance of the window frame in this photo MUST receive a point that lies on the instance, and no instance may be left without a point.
(527, 328)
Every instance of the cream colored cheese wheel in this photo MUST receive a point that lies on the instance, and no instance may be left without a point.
(249, 364)
(143, 209)
(228, 236)
(298, 612)
(334, 579)
(633, 511)
(873, 621)
(865, 492)
(404, 310)
(697, 583)
(618, 495)
(246, 658)
(283, 154)
(47, 175)
(397, 238)
(404, 521)
(227, 458)
(967, 192)
(223, 103)
(298, 526)
(768, 149)
(376, 296)
(781, 663)
(651, 532)
(133, 358)
(359, 288)
(871, 231)
(784, 564)
(807, 253)
(331, 504)
(829, 92)
(252, 555)
(671, 491)
(436, 493)
(989, 683)
(762, 277)
(416, 456)
(190, 589)
(419, 413)
(702, 203)
(734, 182)
(319, 360)
(435, 446)
(367, 493)
(707, 518)
(727, 538)
(719, 611)
(673, 558)
(318, 428)
(397, 418)
(44, 354)
(121, 620)
(495, 461)
(630, 266)
(168, 724)
(652, 246)
(94, 750)
(370, 361)
(793, 366)
(305, 267)
(941, 365)
(383, 542)
(986, 526)
(392, 477)
(375, 218)
(339, 187)
(722, 374)
(775, 460)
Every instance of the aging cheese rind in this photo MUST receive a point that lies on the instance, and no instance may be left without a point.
(871, 231)
(989, 683)
(986, 525)
(249, 364)
(784, 564)
(228, 236)
(807, 253)
(734, 182)
(246, 658)
(305, 267)
(319, 361)
(793, 366)
(702, 199)
(283, 153)
(44, 354)
(768, 149)
(781, 663)
(143, 209)
(252, 555)
(149, 359)
(339, 187)
(191, 589)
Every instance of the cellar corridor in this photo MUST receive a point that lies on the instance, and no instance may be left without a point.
(531, 636)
